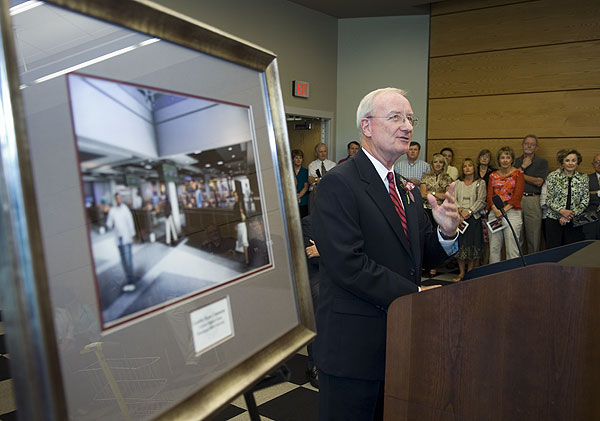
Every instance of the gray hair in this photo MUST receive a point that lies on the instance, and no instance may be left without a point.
(366, 106)
(531, 136)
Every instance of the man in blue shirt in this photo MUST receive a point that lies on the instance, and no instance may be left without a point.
(412, 167)
(536, 170)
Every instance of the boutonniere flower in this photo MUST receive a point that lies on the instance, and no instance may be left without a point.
(408, 188)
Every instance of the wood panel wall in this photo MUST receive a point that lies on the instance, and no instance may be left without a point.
(501, 69)
(306, 140)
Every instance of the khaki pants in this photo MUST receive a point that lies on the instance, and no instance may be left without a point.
(532, 223)
(505, 237)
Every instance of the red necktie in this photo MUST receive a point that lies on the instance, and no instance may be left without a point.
(397, 203)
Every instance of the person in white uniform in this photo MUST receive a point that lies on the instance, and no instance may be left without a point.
(121, 220)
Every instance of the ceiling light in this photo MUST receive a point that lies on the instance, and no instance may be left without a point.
(96, 60)
(23, 7)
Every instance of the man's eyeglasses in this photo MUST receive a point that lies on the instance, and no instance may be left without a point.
(596, 162)
(400, 118)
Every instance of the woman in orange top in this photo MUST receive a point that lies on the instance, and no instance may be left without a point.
(507, 182)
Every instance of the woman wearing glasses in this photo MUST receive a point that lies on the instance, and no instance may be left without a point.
(485, 166)
(567, 196)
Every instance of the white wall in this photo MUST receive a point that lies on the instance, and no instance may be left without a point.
(376, 53)
(105, 113)
(305, 41)
(189, 129)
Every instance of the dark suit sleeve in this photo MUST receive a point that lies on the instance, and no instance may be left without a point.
(306, 230)
(357, 247)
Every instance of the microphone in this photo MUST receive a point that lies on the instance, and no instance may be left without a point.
(500, 205)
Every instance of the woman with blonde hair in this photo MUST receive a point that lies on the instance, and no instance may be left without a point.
(437, 182)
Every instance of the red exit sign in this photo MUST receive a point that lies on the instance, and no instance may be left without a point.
(300, 89)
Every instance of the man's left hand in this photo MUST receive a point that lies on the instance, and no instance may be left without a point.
(311, 251)
(446, 214)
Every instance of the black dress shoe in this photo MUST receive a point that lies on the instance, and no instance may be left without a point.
(313, 377)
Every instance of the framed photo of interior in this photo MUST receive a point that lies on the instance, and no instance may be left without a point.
(154, 162)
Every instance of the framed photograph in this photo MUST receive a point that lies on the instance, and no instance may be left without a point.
(495, 225)
(462, 227)
(154, 162)
(159, 192)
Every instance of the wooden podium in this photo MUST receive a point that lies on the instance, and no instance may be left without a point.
(517, 345)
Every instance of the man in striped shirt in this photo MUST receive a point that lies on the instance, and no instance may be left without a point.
(412, 167)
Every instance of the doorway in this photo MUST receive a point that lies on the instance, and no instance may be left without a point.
(305, 133)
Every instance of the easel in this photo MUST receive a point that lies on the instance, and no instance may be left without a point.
(281, 375)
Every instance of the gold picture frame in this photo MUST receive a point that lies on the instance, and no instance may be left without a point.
(34, 333)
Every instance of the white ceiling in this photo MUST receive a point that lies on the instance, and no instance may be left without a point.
(367, 8)
(49, 39)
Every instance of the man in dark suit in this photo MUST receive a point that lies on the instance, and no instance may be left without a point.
(592, 231)
(312, 263)
(372, 241)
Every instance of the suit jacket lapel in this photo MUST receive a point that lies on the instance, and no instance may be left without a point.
(594, 185)
(376, 190)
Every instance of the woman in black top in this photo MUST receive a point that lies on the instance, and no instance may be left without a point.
(485, 165)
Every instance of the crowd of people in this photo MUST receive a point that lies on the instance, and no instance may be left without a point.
(554, 209)
(544, 208)
(376, 219)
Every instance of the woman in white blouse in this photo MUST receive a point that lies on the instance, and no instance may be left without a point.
(470, 195)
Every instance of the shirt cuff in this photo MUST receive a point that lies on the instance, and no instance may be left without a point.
(450, 246)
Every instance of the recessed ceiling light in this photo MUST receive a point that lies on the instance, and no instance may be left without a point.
(207, 165)
(219, 162)
(23, 7)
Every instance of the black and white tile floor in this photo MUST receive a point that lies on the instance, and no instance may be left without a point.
(294, 400)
